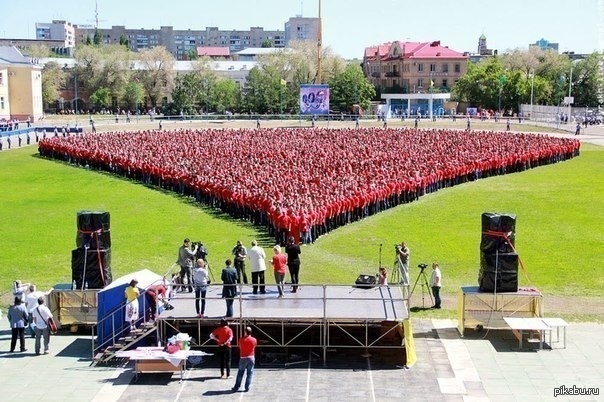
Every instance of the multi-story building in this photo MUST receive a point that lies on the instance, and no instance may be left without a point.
(301, 29)
(407, 71)
(61, 30)
(181, 42)
(544, 44)
(412, 67)
(20, 86)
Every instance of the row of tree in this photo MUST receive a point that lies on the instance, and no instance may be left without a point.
(110, 76)
(510, 79)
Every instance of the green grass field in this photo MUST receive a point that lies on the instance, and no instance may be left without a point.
(559, 232)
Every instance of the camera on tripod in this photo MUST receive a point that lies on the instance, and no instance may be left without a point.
(422, 266)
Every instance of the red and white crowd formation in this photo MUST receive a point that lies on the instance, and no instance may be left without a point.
(307, 181)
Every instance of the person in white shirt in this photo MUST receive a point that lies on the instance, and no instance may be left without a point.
(31, 302)
(256, 257)
(436, 284)
(41, 315)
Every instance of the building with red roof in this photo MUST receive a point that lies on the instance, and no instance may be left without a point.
(413, 67)
(214, 52)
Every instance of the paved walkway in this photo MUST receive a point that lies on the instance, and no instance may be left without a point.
(483, 366)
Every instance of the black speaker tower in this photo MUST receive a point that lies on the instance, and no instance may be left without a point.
(498, 259)
(91, 260)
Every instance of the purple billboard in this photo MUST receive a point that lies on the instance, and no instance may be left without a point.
(314, 99)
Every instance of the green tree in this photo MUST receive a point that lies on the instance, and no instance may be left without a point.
(101, 98)
(97, 37)
(192, 54)
(88, 42)
(588, 82)
(133, 96)
(187, 93)
(350, 87)
(53, 79)
(226, 96)
(267, 43)
(124, 41)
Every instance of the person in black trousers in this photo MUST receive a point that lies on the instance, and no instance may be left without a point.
(293, 261)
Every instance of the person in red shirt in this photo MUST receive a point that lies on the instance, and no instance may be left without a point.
(155, 293)
(247, 348)
(279, 263)
(223, 335)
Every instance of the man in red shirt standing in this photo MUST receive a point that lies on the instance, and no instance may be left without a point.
(247, 347)
(223, 335)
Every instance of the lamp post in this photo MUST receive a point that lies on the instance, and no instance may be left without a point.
(207, 97)
(75, 81)
(501, 82)
(570, 86)
(532, 86)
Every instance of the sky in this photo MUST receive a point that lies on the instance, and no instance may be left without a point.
(349, 26)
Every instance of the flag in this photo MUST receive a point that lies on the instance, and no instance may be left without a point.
(431, 83)
(283, 82)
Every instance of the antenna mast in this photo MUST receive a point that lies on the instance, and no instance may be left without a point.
(319, 39)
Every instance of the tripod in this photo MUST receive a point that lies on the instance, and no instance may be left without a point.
(422, 275)
(400, 273)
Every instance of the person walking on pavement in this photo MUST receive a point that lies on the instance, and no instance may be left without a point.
(247, 359)
(41, 315)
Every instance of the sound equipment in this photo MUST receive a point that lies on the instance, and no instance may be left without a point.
(92, 267)
(93, 229)
(498, 259)
(365, 281)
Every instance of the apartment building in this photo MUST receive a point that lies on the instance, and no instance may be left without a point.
(181, 42)
(413, 67)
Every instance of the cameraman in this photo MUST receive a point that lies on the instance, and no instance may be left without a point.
(435, 284)
(402, 254)
(185, 261)
(240, 253)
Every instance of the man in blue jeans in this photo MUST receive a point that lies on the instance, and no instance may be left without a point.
(247, 348)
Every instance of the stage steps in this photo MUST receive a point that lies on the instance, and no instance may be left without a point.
(125, 342)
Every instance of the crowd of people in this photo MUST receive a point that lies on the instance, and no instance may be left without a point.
(304, 182)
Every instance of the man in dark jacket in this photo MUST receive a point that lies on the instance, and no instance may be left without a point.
(229, 290)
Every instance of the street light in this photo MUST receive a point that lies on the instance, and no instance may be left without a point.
(532, 86)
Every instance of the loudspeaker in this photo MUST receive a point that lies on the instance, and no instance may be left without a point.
(365, 281)
(493, 222)
(498, 272)
(93, 229)
(92, 266)
(496, 243)
(91, 221)
(94, 240)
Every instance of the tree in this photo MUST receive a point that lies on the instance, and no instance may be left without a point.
(350, 87)
(101, 98)
(124, 41)
(133, 95)
(97, 38)
(53, 79)
(226, 96)
(157, 76)
(588, 83)
(192, 54)
(267, 43)
(37, 51)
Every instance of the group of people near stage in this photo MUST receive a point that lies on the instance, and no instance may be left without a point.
(304, 182)
(29, 311)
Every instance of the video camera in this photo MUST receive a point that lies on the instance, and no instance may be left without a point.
(422, 266)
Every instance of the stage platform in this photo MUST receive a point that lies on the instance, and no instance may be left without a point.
(317, 316)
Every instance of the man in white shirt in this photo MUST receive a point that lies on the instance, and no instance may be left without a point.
(257, 257)
(41, 315)
(31, 302)
(436, 284)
